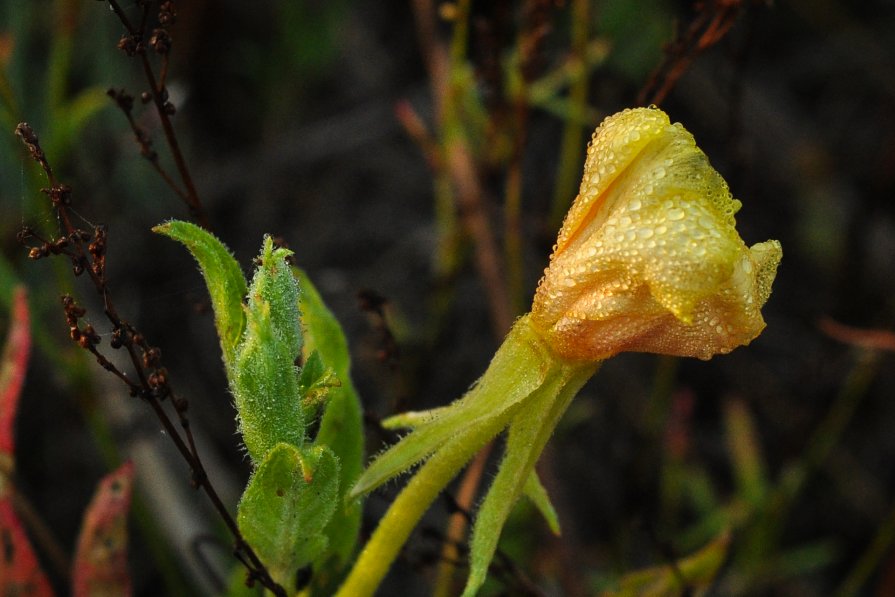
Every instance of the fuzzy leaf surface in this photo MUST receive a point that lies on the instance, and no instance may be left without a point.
(518, 371)
(534, 490)
(264, 378)
(223, 277)
(341, 428)
(287, 504)
(528, 434)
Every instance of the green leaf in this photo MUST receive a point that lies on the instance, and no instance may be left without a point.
(287, 504)
(264, 379)
(690, 576)
(73, 116)
(341, 428)
(744, 449)
(226, 284)
(315, 382)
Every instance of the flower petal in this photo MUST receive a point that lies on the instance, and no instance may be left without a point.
(648, 258)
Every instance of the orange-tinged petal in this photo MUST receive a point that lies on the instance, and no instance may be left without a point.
(648, 258)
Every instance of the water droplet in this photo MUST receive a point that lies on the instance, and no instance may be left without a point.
(675, 214)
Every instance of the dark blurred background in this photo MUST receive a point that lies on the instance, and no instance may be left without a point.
(296, 119)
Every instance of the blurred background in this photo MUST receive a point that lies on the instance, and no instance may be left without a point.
(401, 148)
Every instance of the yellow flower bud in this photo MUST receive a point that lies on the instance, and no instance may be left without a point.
(648, 258)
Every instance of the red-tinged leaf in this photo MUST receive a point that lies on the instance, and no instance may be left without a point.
(20, 574)
(12, 373)
(100, 566)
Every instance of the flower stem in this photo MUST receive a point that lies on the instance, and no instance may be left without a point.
(404, 513)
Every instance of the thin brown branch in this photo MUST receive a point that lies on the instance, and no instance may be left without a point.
(152, 384)
(873, 339)
(137, 43)
(712, 20)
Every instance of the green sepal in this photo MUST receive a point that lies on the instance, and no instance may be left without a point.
(533, 489)
(286, 506)
(519, 362)
(341, 427)
(264, 378)
(536, 493)
(529, 431)
(223, 276)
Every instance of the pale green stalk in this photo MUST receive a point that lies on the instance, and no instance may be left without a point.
(404, 513)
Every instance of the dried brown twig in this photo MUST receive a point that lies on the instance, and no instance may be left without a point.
(871, 339)
(87, 251)
(460, 167)
(712, 21)
(136, 42)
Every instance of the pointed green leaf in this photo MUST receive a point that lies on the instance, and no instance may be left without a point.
(73, 116)
(534, 490)
(226, 284)
(341, 428)
(264, 378)
(288, 502)
(743, 446)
